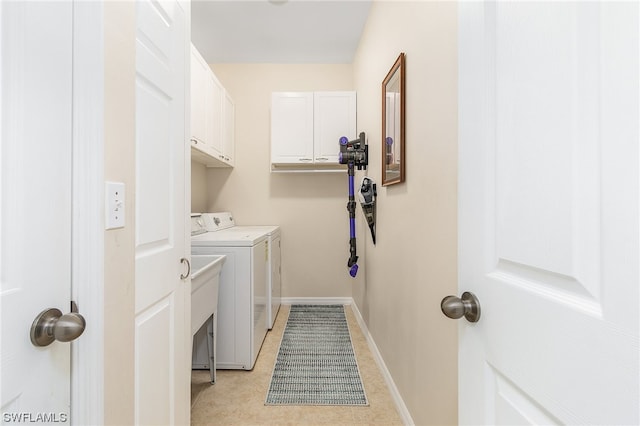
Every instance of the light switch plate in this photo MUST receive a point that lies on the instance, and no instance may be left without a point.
(114, 205)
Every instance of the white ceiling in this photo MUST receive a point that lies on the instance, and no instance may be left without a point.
(278, 31)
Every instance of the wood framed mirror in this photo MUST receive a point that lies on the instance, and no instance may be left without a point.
(393, 119)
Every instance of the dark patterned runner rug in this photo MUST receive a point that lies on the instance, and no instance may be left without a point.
(316, 364)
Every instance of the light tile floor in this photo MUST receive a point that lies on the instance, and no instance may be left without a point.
(238, 396)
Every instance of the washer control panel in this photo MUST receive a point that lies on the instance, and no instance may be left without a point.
(197, 224)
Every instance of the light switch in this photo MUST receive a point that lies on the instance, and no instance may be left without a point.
(115, 205)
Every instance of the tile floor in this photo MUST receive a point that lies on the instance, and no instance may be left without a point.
(238, 396)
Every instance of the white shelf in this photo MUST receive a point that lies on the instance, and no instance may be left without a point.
(308, 168)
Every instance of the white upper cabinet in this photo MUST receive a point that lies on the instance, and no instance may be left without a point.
(334, 116)
(306, 128)
(212, 140)
(228, 127)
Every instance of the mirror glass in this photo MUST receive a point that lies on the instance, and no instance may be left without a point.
(393, 95)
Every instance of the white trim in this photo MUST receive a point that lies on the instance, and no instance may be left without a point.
(316, 300)
(395, 394)
(87, 356)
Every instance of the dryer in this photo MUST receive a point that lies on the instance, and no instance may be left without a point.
(242, 299)
(274, 271)
(225, 220)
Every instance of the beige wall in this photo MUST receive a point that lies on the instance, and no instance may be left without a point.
(119, 257)
(416, 220)
(309, 207)
(198, 187)
(413, 265)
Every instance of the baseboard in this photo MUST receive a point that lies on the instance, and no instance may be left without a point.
(395, 394)
(316, 300)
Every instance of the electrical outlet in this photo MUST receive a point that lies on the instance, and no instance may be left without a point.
(115, 205)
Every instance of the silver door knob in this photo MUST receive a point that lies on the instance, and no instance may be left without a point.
(456, 307)
(51, 325)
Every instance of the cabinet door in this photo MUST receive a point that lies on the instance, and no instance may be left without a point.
(292, 127)
(213, 117)
(198, 99)
(228, 129)
(334, 116)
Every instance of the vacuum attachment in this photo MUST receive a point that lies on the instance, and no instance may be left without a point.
(367, 197)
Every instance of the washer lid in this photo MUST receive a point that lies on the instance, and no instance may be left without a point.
(230, 237)
(272, 230)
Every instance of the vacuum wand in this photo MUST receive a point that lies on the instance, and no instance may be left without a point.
(355, 154)
(351, 208)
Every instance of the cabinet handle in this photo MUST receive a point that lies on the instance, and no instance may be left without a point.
(322, 159)
(195, 141)
(305, 159)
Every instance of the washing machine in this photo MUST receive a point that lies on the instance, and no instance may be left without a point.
(242, 297)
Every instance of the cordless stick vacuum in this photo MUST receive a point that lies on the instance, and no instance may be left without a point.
(354, 154)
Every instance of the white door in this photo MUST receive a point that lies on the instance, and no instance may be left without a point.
(162, 329)
(548, 212)
(35, 205)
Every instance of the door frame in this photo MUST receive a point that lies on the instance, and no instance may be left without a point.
(88, 223)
